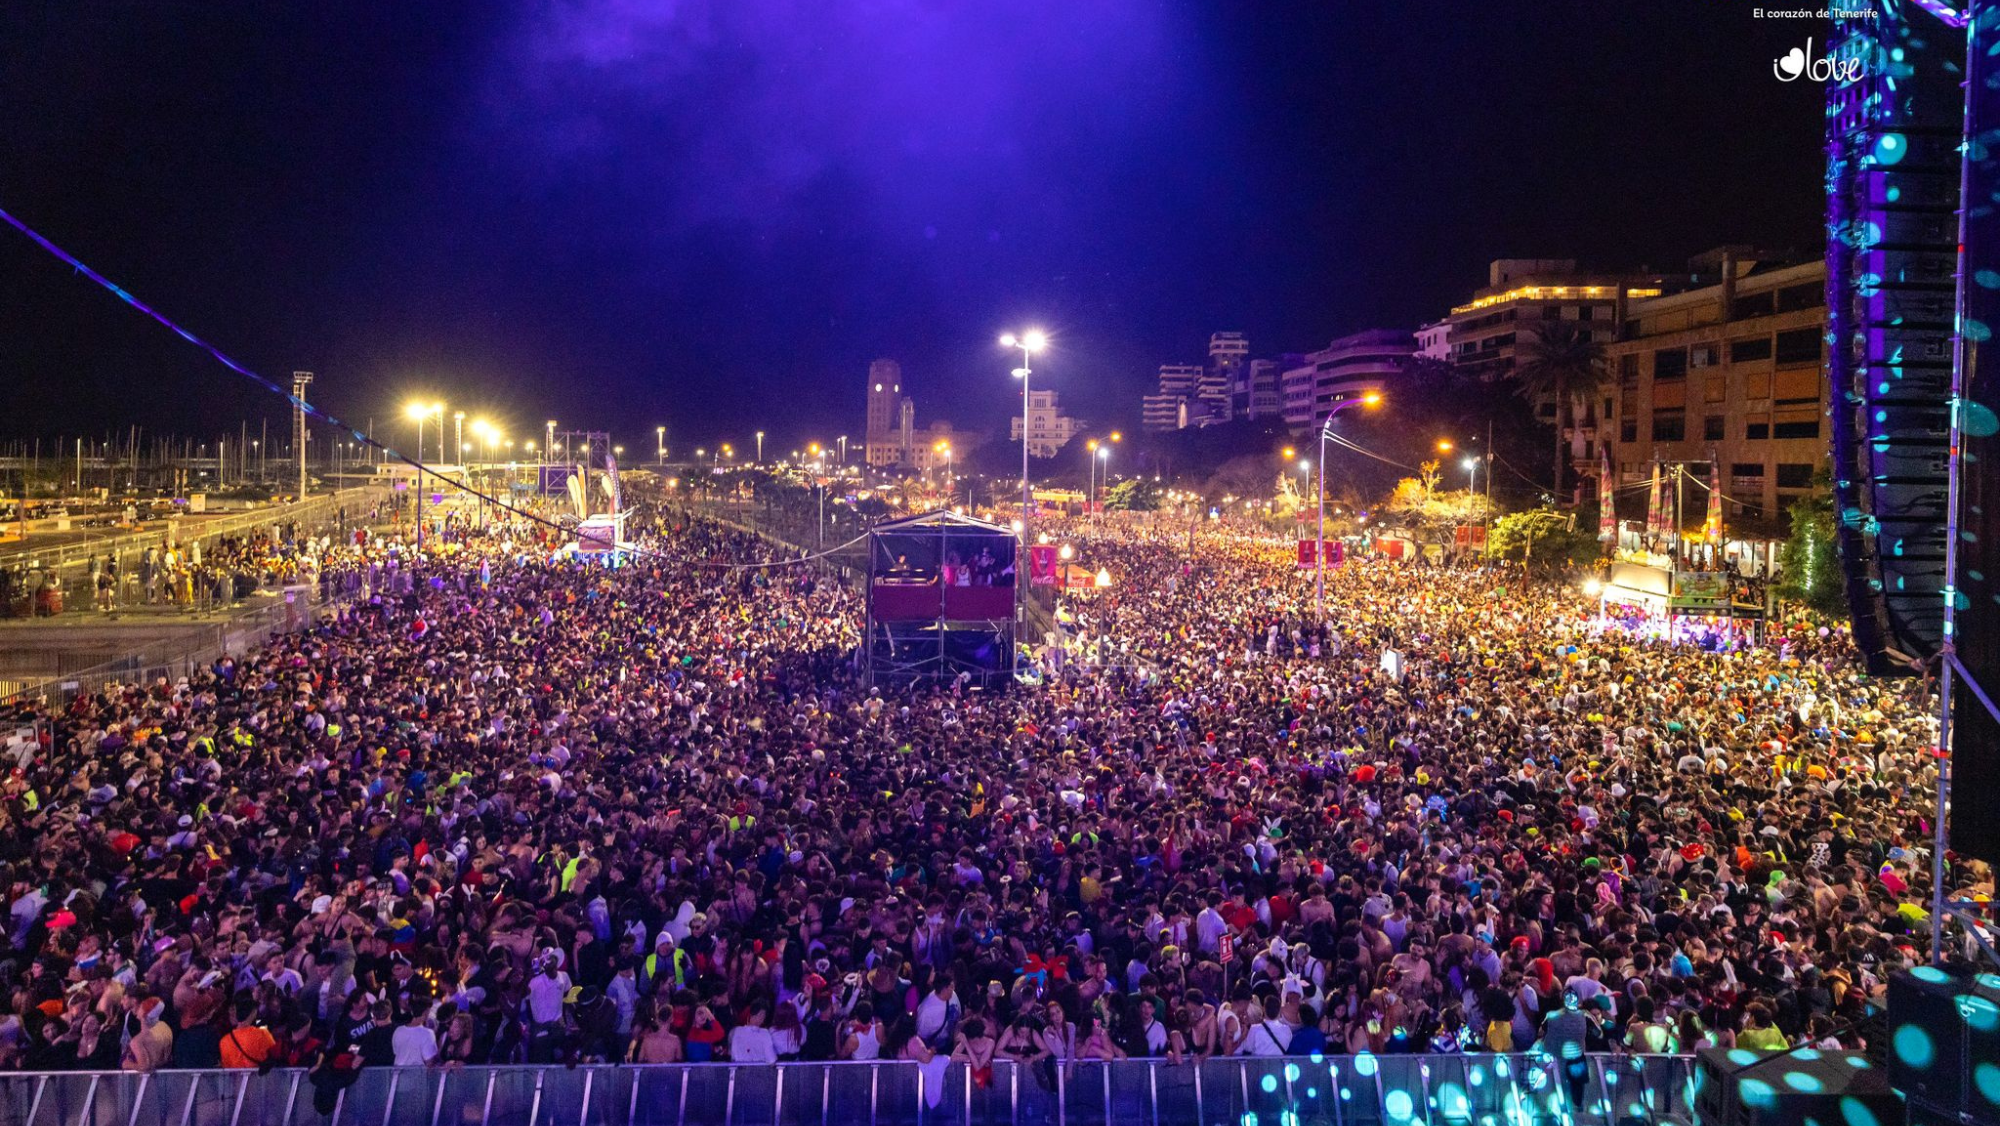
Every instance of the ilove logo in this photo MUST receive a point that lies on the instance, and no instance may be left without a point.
(1799, 63)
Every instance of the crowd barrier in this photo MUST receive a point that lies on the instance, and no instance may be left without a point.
(1444, 1090)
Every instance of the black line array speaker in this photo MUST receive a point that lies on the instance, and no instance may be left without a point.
(1739, 1087)
(1944, 1044)
(1893, 167)
(1974, 825)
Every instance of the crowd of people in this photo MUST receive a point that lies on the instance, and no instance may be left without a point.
(505, 806)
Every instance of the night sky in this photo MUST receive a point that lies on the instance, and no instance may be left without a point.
(711, 214)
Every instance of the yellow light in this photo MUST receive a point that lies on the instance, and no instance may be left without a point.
(1290, 453)
(1444, 445)
(1593, 588)
(416, 411)
(1091, 445)
(1372, 398)
(1117, 437)
(1104, 576)
(1066, 552)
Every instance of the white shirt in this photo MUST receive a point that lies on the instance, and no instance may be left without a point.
(415, 1045)
(545, 996)
(751, 1043)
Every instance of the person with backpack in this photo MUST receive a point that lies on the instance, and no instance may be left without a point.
(248, 1044)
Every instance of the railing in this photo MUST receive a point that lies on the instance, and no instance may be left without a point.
(311, 513)
(1474, 1090)
(187, 650)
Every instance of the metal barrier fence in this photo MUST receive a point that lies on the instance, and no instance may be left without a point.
(1475, 1090)
(182, 654)
(315, 513)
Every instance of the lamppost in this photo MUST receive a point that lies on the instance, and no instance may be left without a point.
(1090, 472)
(942, 446)
(1029, 342)
(760, 447)
(1371, 400)
(417, 412)
(458, 433)
(549, 438)
(660, 432)
(843, 451)
(1104, 479)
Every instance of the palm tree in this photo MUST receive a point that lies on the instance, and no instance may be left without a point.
(1560, 363)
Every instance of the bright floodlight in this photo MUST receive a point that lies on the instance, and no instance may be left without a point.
(1305, 465)
(1035, 341)
(1372, 398)
(1471, 462)
(1592, 586)
(416, 411)
(1007, 340)
(1104, 454)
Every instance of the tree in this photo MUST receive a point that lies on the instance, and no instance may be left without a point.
(1809, 561)
(1543, 538)
(1560, 363)
(1246, 476)
(1134, 494)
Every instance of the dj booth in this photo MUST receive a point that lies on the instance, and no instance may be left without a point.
(941, 599)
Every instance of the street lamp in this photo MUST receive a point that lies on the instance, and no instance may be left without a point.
(1370, 400)
(1444, 445)
(760, 447)
(1090, 470)
(458, 432)
(660, 433)
(1029, 342)
(1104, 472)
(843, 450)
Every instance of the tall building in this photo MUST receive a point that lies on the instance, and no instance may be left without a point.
(1228, 377)
(1175, 405)
(885, 441)
(1343, 371)
(1733, 371)
(1434, 341)
(1048, 428)
(1162, 412)
(885, 387)
(1265, 397)
(1481, 335)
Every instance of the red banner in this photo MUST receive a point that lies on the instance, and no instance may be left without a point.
(1042, 564)
(1308, 553)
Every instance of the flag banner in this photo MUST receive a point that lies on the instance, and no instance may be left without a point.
(1042, 564)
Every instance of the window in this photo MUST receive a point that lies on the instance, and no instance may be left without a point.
(1807, 429)
(1799, 346)
(1751, 305)
(1747, 469)
(1703, 355)
(1795, 476)
(1808, 296)
(1670, 363)
(1669, 426)
(1628, 368)
(1749, 348)
(1757, 429)
(1628, 430)
(1711, 428)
